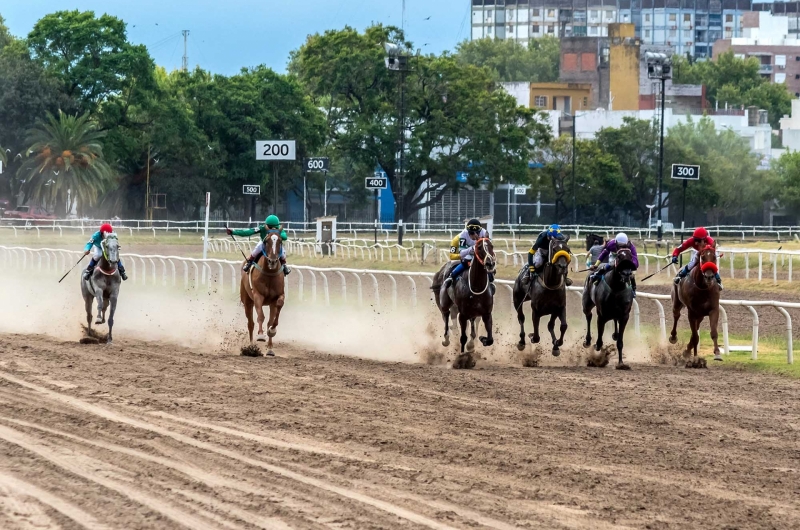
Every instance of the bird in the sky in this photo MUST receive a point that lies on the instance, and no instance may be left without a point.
(428, 18)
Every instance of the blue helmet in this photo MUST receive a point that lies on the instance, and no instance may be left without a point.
(555, 232)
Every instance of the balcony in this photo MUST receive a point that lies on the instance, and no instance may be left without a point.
(765, 69)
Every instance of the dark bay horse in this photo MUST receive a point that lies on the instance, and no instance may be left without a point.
(472, 298)
(548, 296)
(613, 298)
(699, 293)
(103, 285)
(264, 286)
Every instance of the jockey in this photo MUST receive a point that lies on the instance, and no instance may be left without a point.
(462, 248)
(699, 240)
(93, 246)
(610, 252)
(540, 251)
(271, 224)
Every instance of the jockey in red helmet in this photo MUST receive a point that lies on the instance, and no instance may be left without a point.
(93, 246)
(700, 239)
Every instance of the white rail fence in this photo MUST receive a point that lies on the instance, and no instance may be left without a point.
(210, 275)
(780, 233)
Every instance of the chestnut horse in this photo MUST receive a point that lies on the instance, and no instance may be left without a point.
(548, 296)
(264, 286)
(699, 292)
(472, 297)
(613, 298)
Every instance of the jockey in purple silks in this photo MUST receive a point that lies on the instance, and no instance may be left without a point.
(610, 251)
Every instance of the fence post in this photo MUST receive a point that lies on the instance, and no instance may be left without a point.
(731, 258)
(746, 265)
(760, 264)
(313, 286)
(725, 342)
(360, 297)
(413, 291)
(325, 288)
(662, 321)
(789, 346)
(752, 310)
(636, 318)
(377, 292)
(299, 285)
(344, 285)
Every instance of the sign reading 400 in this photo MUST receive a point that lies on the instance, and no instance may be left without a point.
(275, 150)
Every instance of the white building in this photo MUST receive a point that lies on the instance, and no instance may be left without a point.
(790, 128)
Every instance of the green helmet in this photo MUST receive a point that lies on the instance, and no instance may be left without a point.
(273, 221)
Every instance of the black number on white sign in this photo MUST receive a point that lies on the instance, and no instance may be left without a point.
(276, 150)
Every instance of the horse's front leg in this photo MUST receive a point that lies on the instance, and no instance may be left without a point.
(676, 315)
(562, 317)
(535, 338)
(111, 310)
(98, 295)
(601, 326)
(488, 340)
(551, 327)
(258, 301)
(462, 320)
(521, 320)
(87, 302)
(713, 320)
(623, 322)
(446, 318)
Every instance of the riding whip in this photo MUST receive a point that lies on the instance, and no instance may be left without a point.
(659, 270)
(237, 245)
(73, 267)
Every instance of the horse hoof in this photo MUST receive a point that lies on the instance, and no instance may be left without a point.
(465, 361)
(622, 366)
(486, 341)
(673, 339)
(98, 322)
(271, 332)
(470, 347)
(717, 357)
(588, 343)
(613, 336)
(556, 352)
(520, 346)
(697, 362)
(270, 353)
(446, 342)
(598, 347)
(261, 338)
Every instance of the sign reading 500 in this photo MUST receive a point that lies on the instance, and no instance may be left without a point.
(275, 150)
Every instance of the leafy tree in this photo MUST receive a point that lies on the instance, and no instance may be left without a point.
(456, 118)
(635, 147)
(510, 61)
(5, 36)
(735, 81)
(785, 186)
(65, 155)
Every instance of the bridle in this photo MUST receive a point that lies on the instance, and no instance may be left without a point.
(488, 262)
(104, 248)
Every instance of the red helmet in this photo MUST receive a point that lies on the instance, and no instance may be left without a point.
(700, 233)
(106, 228)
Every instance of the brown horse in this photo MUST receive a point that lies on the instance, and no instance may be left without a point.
(262, 286)
(472, 296)
(548, 296)
(699, 292)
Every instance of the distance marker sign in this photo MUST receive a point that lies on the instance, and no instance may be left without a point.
(251, 189)
(319, 163)
(377, 183)
(275, 150)
(685, 172)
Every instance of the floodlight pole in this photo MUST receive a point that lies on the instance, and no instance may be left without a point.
(661, 161)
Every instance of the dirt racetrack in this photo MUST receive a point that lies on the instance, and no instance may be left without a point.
(150, 435)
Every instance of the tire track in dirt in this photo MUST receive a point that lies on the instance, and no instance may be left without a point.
(96, 410)
(210, 479)
(67, 463)
(19, 487)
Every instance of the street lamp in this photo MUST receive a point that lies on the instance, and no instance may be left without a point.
(649, 216)
(397, 61)
(574, 201)
(659, 66)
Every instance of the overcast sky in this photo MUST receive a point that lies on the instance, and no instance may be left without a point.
(226, 35)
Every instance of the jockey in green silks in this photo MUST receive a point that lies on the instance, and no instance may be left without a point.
(271, 224)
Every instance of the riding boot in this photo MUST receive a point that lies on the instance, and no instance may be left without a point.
(719, 280)
(681, 275)
(286, 269)
(247, 265)
(568, 281)
(90, 269)
(633, 286)
(122, 272)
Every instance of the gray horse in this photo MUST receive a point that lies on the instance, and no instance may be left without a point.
(103, 285)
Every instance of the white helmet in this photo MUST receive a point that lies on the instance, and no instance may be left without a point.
(621, 239)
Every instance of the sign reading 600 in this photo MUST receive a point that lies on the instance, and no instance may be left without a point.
(275, 150)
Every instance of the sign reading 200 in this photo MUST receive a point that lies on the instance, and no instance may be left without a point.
(275, 150)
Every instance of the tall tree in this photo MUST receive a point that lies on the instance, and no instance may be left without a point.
(456, 119)
(65, 163)
(784, 187)
(509, 61)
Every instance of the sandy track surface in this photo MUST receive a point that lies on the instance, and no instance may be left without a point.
(148, 435)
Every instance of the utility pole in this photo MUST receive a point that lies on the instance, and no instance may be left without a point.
(185, 63)
(147, 211)
(659, 66)
(574, 202)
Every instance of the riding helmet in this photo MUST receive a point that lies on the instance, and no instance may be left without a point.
(700, 233)
(622, 238)
(555, 231)
(106, 228)
(474, 225)
(273, 221)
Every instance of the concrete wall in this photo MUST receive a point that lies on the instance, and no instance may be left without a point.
(623, 67)
(521, 92)
(582, 62)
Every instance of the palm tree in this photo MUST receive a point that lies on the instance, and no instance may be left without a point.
(65, 163)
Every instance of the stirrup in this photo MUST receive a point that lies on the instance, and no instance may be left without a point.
(87, 273)
(247, 266)
(677, 279)
(568, 281)
(123, 275)
(286, 270)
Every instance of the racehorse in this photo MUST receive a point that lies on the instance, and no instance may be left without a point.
(472, 298)
(548, 296)
(103, 285)
(613, 297)
(699, 292)
(264, 286)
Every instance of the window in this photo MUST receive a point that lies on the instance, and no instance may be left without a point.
(535, 28)
(728, 34)
(551, 13)
(728, 18)
(647, 17)
(687, 34)
(687, 17)
(673, 33)
(626, 17)
(509, 28)
(535, 12)
(647, 34)
(673, 17)
(594, 13)
(593, 30)
(702, 20)
(550, 29)
(797, 76)
(540, 101)
(585, 102)
(489, 29)
(797, 94)
(780, 60)
(780, 78)
(609, 15)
